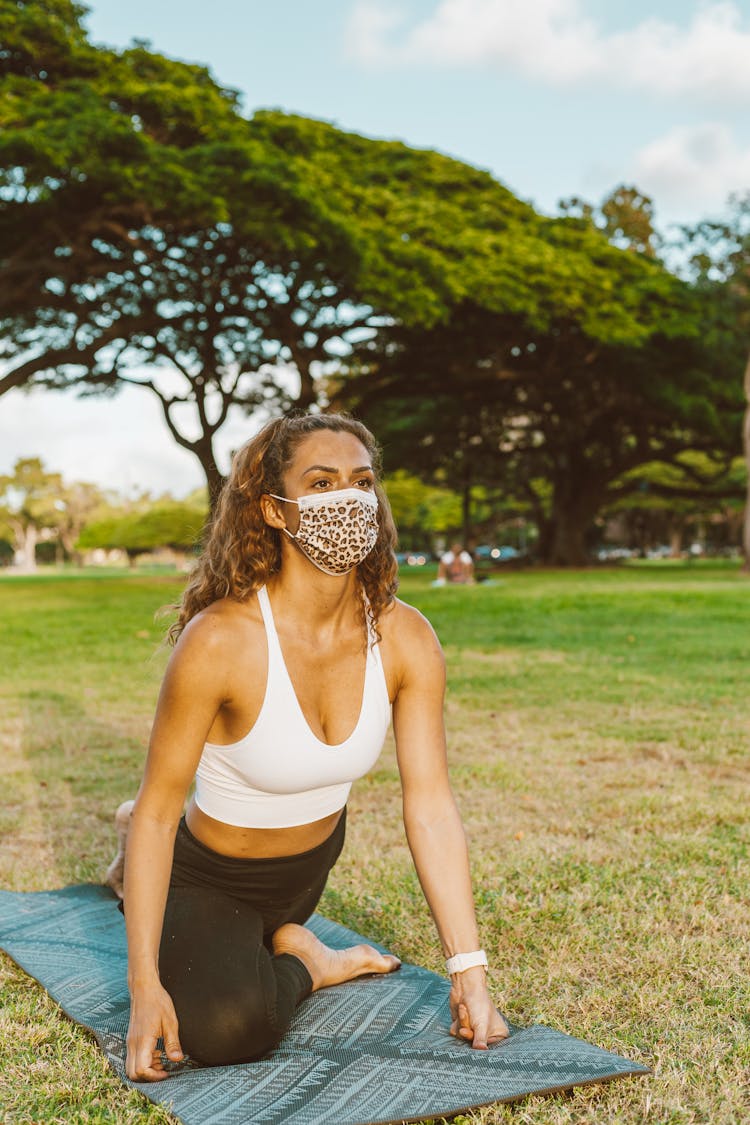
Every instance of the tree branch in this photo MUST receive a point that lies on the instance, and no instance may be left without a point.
(70, 356)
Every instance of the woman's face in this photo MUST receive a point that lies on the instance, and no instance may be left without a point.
(326, 461)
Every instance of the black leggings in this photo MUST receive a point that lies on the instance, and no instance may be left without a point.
(234, 999)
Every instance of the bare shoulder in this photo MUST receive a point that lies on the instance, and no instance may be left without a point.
(411, 643)
(403, 620)
(221, 636)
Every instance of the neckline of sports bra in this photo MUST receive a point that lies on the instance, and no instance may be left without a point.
(265, 604)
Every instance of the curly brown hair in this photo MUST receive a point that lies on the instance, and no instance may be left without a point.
(241, 551)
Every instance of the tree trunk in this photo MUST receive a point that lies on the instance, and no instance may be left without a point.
(676, 531)
(26, 539)
(746, 447)
(545, 536)
(567, 540)
(204, 451)
(573, 511)
(202, 447)
(466, 515)
(68, 538)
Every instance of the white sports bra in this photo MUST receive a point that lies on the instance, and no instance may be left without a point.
(280, 774)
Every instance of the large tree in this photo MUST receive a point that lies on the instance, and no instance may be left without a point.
(553, 413)
(152, 235)
(148, 236)
(30, 508)
(716, 256)
(146, 526)
(661, 502)
(36, 505)
(76, 504)
(559, 400)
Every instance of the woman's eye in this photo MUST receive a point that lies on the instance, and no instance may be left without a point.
(321, 484)
(366, 482)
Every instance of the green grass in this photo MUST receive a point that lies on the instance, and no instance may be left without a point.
(598, 728)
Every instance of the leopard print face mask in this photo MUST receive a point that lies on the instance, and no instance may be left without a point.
(337, 530)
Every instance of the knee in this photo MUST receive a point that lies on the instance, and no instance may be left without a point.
(234, 1037)
(238, 1030)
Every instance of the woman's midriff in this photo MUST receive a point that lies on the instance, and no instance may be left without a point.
(258, 843)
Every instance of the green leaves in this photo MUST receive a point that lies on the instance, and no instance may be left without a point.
(28, 495)
(171, 523)
(151, 234)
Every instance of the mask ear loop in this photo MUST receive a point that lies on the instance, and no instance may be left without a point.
(286, 499)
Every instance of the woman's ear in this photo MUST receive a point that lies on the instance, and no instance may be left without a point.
(272, 512)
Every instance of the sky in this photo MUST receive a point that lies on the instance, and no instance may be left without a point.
(556, 98)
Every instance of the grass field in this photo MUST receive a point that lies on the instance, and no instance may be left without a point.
(598, 728)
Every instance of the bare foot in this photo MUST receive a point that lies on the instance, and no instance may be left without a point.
(329, 966)
(116, 869)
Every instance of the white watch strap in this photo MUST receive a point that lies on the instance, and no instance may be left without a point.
(463, 961)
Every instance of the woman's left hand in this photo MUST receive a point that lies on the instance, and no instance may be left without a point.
(473, 1015)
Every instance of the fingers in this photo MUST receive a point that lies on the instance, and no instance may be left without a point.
(484, 1032)
(479, 1040)
(461, 1023)
(150, 1068)
(147, 1064)
(155, 1073)
(487, 1032)
(152, 1019)
(464, 1023)
(172, 1046)
(463, 1029)
(498, 1032)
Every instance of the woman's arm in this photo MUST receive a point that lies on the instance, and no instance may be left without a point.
(194, 688)
(433, 825)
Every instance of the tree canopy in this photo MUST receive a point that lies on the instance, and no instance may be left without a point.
(718, 260)
(151, 234)
(555, 414)
(30, 505)
(146, 527)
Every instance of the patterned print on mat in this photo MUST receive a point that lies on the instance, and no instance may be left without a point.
(370, 1052)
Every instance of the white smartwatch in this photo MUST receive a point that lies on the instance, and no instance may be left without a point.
(463, 961)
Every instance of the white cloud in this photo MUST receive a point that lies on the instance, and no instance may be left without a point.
(554, 40)
(367, 29)
(693, 168)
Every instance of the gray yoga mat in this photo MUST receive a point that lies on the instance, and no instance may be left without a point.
(371, 1051)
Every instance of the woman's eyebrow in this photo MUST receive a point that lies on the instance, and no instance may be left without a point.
(329, 469)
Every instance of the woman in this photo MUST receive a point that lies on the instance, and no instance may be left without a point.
(456, 566)
(290, 648)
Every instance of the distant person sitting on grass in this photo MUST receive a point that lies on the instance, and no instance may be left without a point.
(456, 567)
(291, 648)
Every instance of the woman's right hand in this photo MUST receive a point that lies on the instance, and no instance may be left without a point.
(152, 1017)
